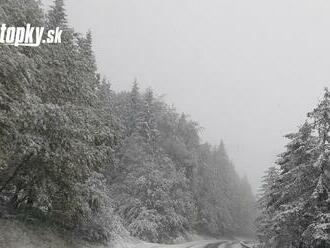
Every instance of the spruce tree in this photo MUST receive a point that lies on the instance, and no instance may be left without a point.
(299, 201)
(57, 15)
(317, 233)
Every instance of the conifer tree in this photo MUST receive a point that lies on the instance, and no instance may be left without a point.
(77, 154)
(299, 201)
(54, 145)
(57, 15)
(265, 228)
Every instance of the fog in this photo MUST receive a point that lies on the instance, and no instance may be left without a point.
(247, 71)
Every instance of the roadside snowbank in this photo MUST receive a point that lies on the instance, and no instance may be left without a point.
(14, 234)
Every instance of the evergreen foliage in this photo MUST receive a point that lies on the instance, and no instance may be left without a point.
(88, 159)
(295, 201)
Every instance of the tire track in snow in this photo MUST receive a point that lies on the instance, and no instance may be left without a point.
(204, 244)
(229, 245)
(214, 245)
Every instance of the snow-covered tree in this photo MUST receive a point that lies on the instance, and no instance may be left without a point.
(297, 213)
(77, 154)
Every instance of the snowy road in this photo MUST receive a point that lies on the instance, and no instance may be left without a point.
(204, 244)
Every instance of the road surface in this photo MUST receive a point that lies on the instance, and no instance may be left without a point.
(205, 244)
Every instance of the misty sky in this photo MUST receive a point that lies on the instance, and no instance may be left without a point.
(247, 71)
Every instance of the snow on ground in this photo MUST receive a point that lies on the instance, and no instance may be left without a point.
(186, 241)
(14, 234)
(193, 244)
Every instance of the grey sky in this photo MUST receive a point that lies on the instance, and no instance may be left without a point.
(247, 71)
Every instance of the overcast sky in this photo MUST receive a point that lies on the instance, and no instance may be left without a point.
(247, 71)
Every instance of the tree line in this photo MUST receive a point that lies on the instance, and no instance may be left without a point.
(95, 162)
(295, 202)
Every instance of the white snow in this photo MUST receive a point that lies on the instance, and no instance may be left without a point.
(193, 244)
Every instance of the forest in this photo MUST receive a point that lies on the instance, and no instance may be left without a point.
(294, 202)
(96, 164)
(92, 162)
